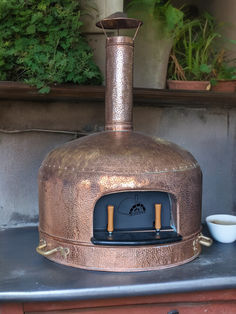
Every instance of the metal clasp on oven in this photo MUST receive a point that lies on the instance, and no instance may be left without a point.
(206, 241)
(43, 244)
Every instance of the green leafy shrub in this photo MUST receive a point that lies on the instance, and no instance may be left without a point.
(193, 55)
(41, 44)
(226, 72)
(224, 68)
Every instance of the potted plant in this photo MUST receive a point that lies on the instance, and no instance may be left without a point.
(41, 44)
(162, 22)
(193, 54)
(224, 74)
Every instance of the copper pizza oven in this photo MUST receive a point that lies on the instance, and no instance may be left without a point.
(120, 200)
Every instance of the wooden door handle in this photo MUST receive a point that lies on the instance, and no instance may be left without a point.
(157, 216)
(110, 218)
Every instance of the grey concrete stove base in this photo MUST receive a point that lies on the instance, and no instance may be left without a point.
(27, 276)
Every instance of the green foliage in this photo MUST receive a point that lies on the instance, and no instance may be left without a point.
(41, 44)
(161, 11)
(224, 68)
(227, 72)
(193, 55)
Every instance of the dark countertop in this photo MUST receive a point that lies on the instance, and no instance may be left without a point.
(27, 276)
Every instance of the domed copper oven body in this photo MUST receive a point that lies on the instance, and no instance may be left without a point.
(73, 177)
(76, 175)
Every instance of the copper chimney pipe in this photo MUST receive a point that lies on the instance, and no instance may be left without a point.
(119, 83)
(119, 73)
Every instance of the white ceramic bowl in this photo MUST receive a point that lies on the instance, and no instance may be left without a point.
(222, 227)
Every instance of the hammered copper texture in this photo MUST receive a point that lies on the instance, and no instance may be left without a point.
(125, 259)
(75, 176)
(119, 83)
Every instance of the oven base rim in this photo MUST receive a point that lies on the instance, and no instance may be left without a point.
(130, 270)
(189, 248)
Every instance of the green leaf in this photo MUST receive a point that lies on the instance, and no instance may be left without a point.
(36, 17)
(48, 20)
(138, 8)
(213, 82)
(174, 18)
(25, 12)
(30, 29)
(42, 28)
(205, 68)
(42, 6)
(44, 90)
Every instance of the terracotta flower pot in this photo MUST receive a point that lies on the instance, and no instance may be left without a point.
(225, 86)
(189, 85)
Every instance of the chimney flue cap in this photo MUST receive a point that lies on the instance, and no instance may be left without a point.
(118, 20)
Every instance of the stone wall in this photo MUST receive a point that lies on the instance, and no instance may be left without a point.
(209, 133)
